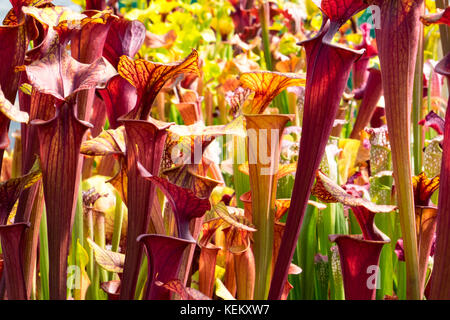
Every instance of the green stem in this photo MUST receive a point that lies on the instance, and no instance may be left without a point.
(100, 239)
(77, 233)
(43, 258)
(118, 219)
(241, 180)
(264, 18)
(89, 226)
(417, 115)
(142, 278)
(305, 254)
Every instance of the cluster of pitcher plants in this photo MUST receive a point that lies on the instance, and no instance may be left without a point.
(225, 149)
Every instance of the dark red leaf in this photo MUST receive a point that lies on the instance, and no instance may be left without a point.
(145, 145)
(185, 204)
(12, 249)
(120, 98)
(98, 116)
(112, 289)
(13, 43)
(96, 5)
(372, 94)
(328, 68)
(60, 140)
(87, 41)
(359, 263)
(71, 75)
(339, 11)
(440, 282)
(125, 37)
(164, 259)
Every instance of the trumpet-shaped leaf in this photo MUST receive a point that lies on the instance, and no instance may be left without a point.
(148, 78)
(13, 44)
(244, 263)
(264, 147)
(185, 204)
(71, 75)
(328, 68)
(120, 98)
(440, 288)
(145, 144)
(325, 84)
(397, 41)
(340, 10)
(88, 35)
(241, 274)
(359, 263)
(14, 38)
(207, 268)
(87, 41)
(267, 85)
(60, 140)
(112, 289)
(293, 269)
(188, 144)
(237, 98)
(164, 258)
(124, 38)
